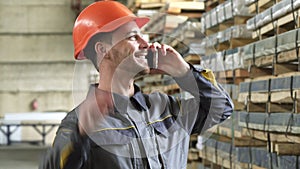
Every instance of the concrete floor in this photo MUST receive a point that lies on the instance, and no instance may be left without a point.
(21, 156)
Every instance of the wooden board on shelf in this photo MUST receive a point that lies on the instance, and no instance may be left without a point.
(286, 148)
(285, 96)
(185, 6)
(280, 88)
(257, 167)
(282, 24)
(191, 15)
(150, 5)
(235, 20)
(238, 73)
(270, 107)
(272, 122)
(193, 58)
(243, 141)
(212, 30)
(218, 159)
(210, 4)
(260, 6)
(238, 105)
(193, 155)
(284, 63)
(233, 43)
(235, 76)
(274, 137)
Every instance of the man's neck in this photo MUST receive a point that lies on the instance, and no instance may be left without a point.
(119, 82)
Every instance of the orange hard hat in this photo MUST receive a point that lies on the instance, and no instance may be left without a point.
(101, 16)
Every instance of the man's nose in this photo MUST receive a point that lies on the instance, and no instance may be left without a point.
(143, 43)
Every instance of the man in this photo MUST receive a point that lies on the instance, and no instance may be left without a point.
(119, 127)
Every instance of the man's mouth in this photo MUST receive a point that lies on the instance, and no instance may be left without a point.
(140, 55)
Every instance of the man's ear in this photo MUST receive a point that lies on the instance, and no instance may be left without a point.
(100, 48)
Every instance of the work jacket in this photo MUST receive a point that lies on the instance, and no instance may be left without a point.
(145, 130)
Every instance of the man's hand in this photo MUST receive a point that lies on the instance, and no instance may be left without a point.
(93, 110)
(169, 61)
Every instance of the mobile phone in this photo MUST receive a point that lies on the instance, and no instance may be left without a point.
(152, 58)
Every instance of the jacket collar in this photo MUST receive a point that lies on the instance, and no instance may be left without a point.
(120, 101)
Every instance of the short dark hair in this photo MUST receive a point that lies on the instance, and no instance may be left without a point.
(89, 50)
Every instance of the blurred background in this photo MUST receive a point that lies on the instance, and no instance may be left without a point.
(252, 46)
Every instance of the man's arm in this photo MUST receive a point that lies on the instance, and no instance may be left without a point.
(69, 150)
(208, 103)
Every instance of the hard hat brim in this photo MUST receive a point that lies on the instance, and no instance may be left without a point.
(140, 21)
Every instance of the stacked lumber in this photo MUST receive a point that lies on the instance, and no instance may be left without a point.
(271, 94)
(226, 31)
(191, 9)
(264, 131)
(225, 146)
(276, 19)
(211, 4)
(274, 55)
(227, 65)
(225, 15)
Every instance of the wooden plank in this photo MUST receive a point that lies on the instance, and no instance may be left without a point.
(241, 141)
(249, 142)
(265, 3)
(180, 6)
(272, 107)
(236, 73)
(233, 43)
(260, 6)
(274, 137)
(287, 149)
(282, 57)
(252, 8)
(287, 56)
(238, 105)
(237, 42)
(280, 68)
(259, 97)
(261, 135)
(279, 22)
(210, 4)
(257, 71)
(235, 20)
(284, 96)
(195, 15)
(273, 122)
(277, 108)
(217, 158)
(241, 73)
(264, 60)
(256, 107)
(193, 58)
(193, 155)
(227, 132)
(150, 5)
(229, 80)
(283, 137)
(212, 30)
(257, 167)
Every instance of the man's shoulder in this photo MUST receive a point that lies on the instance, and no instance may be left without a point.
(71, 120)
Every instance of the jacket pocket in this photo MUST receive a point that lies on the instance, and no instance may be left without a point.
(166, 127)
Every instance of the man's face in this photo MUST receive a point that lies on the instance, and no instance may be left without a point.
(129, 49)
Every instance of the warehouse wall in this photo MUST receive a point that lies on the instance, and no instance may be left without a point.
(36, 56)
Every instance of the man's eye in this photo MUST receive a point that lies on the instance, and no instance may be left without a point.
(133, 37)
